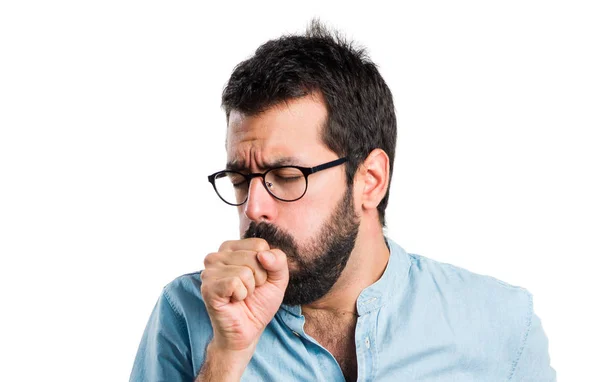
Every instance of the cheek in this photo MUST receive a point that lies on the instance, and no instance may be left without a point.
(304, 224)
(305, 221)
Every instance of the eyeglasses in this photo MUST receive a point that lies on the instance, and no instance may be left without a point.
(285, 183)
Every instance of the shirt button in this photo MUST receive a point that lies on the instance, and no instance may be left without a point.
(295, 333)
(368, 343)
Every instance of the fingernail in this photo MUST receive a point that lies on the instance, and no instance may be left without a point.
(268, 257)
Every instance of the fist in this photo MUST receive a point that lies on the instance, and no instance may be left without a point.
(243, 286)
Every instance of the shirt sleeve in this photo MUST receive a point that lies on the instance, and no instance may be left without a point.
(164, 351)
(533, 364)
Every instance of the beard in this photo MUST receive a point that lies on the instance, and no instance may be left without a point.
(319, 264)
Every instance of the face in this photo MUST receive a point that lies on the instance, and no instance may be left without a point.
(317, 232)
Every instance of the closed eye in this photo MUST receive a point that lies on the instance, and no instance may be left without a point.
(280, 178)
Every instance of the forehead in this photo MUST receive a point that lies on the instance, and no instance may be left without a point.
(291, 129)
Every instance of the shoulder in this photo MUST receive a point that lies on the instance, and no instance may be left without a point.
(459, 287)
(176, 335)
(453, 279)
(183, 293)
(484, 311)
(185, 285)
(470, 292)
(185, 299)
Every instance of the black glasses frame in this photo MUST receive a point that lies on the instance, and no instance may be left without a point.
(306, 171)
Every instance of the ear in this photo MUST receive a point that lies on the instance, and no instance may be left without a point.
(374, 175)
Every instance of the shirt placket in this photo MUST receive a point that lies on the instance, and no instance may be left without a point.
(324, 361)
(365, 339)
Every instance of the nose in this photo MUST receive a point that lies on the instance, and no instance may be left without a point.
(260, 206)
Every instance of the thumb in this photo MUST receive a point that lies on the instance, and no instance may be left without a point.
(275, 263)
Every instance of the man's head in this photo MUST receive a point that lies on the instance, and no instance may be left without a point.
(360, 109)
(308, 100)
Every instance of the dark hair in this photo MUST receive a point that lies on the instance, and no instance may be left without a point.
(360, 108)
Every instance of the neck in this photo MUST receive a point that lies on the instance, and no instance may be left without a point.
(365, 266)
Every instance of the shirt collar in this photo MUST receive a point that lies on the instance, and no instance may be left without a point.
(392, 283)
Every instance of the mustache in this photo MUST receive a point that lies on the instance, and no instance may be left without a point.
(276, 237)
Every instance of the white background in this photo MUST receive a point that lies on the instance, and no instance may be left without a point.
(110, 121)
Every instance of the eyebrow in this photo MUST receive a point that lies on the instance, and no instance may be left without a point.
(285, 161)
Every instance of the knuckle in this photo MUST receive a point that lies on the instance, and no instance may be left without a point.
(246, 274)
(230, 282)
(204, 290)
(225, 245)
(204, 275)
(261, 244)
(235, 283)
(261, 277)
(210, 259)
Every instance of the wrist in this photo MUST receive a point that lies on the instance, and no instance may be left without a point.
(224, 365)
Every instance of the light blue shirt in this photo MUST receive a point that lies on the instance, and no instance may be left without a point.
(422, 321)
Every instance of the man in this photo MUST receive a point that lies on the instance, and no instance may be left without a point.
(313, 290)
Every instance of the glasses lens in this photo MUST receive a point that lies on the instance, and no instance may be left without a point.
(286, 183)
(231, 187)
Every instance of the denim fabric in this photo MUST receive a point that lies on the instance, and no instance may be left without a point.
(422, 321)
